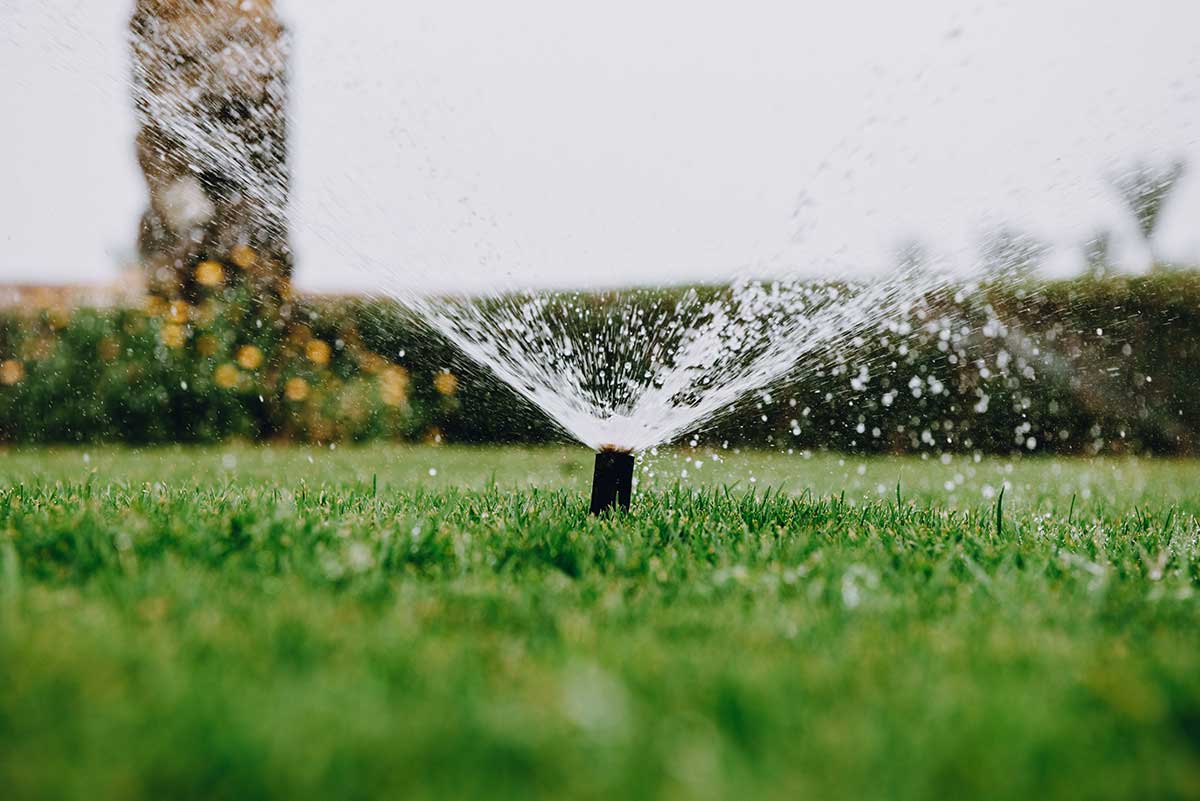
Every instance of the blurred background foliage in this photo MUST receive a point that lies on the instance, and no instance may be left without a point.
(1083, 366)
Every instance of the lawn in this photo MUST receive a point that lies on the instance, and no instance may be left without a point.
(448, 623)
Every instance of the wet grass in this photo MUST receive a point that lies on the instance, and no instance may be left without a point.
(244, 623)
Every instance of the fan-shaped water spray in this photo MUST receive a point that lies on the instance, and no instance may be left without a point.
(636, 369)
(625, 372)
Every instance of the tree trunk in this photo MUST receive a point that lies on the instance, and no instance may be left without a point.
(210, 90)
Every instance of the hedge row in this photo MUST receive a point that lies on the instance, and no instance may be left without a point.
(1079, 366)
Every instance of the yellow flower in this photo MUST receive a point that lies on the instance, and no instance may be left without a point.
(155, 305)
(58, 318)
(446, 383)
(372, 363)
(296, 389)
(393, 386)
(243, 256)
(207, 345)
(178, 312)
(109, 349)
(210, 273)
(317, 352)
(226, 376)
(11, 372)
(250, 357)
(173, 335)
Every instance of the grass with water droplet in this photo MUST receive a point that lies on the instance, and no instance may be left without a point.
(354, 627)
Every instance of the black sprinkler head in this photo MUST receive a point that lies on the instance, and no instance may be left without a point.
(612, 483)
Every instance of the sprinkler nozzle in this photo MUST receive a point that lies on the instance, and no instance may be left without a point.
(612, 483)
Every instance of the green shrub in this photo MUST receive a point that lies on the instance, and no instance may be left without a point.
(178, 373)
(1078, 366)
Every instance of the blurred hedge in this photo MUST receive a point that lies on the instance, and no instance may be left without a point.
(1082, 366)
(1079, 366)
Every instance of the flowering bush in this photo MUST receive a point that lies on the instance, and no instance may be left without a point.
(175, 372)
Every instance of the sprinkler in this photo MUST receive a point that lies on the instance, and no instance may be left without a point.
(612, 483)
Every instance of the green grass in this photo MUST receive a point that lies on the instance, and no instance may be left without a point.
(288, 623)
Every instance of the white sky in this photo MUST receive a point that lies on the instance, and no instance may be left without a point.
(551, 142)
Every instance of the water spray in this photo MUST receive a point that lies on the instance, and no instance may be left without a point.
(612, 483)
